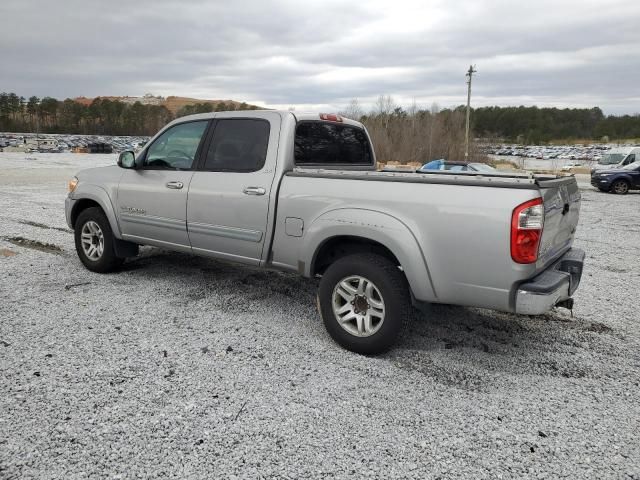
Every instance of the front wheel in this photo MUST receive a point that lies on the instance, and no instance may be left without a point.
(620, 187)
(364, 302)
(95, 242)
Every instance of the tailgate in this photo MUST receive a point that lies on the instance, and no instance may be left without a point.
(561, 198)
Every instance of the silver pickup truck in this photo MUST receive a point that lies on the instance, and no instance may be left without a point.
(301, 193)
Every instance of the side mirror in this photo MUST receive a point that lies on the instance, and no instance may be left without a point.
(127, 160)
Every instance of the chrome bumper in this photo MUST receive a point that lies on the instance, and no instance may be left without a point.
(556, 284)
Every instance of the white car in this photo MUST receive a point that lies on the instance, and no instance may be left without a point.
(568, 166)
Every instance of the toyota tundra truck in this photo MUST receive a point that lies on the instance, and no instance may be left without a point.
(301, 193)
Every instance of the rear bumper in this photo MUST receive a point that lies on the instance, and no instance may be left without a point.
(556, 284)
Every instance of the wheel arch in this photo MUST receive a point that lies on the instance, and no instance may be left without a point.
(333, 248)
(80, 206)
(624, 179)
(343, 231)
(92, 196)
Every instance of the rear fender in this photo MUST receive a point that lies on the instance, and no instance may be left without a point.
(379, 227)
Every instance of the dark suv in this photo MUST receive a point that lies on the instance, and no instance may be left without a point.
(617, 180)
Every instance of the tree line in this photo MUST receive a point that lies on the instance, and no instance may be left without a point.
(102, 116)
(399, 133)
(533, 125)
(206, 107)
(414, 134)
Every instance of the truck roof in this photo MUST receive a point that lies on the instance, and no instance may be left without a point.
(299, 116)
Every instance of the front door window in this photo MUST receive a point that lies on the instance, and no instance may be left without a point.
(176, 148)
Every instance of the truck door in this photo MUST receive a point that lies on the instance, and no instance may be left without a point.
(229, 194)
(151, 203)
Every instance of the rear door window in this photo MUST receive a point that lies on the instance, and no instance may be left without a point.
(238, 145)
(320, 143)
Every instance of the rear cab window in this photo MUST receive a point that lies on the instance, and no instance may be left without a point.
(333, 144)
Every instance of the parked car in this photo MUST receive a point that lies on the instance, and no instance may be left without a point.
(569, 165)
(445, 165)
(616, 158)
(617, 180)
(300, 192)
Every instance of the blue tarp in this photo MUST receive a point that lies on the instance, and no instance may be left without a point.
(433, 165)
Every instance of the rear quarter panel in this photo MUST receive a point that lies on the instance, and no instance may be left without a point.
(453, 241)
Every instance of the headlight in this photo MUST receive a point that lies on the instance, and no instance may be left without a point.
(605, 174)
(73, 183)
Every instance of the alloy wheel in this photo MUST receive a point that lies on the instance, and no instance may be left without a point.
(92, 240)
(358, 306)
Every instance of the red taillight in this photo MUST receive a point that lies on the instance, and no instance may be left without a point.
(527, 221)
(330, 117)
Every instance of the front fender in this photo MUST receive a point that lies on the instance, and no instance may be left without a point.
(379, 227)
(98, 195)
(625, 177)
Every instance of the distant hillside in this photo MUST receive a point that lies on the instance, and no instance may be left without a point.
(172, 103)
(104, 115)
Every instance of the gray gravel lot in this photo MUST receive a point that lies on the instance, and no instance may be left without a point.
(186, 367)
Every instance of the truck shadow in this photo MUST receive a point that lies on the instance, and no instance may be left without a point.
(463, 347)
(476, 349)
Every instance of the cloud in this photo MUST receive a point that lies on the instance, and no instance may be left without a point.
(321, 54)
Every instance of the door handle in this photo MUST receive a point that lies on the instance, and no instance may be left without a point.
(175, 185)
(254, 191)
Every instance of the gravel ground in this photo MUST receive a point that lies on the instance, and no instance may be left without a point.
(186, 367)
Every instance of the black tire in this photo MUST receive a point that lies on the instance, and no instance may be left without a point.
(394, 292)
(107, 261)
(620, 187)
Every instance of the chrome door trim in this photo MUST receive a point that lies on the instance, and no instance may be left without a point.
(154, 221)
(227, 232)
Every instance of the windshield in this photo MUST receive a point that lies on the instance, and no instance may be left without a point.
(611, 158)
(632, 166)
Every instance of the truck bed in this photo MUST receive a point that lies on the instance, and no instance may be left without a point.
(496, 180)
(459, 237)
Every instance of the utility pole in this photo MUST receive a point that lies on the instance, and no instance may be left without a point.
(38, 131)
(469, 74)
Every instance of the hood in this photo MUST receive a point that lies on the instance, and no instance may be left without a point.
(100, 174)
(599, 167)
(608, 170)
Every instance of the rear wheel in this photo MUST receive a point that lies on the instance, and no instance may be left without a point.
(620, 187)
(364, 302)
(95, 242)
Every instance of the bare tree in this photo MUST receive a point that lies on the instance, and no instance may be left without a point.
(353, 110)
(415, 135)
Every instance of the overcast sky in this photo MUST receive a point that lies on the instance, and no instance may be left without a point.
(318, 55)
